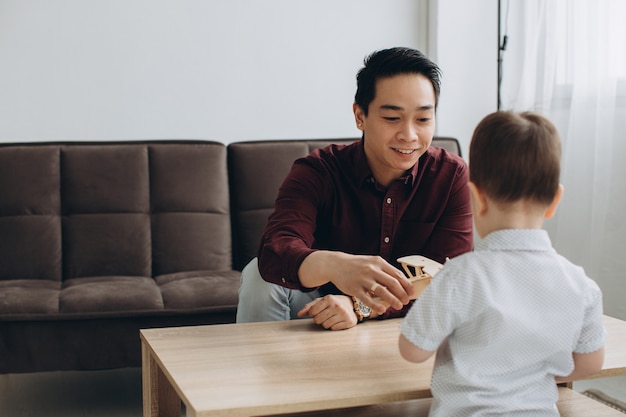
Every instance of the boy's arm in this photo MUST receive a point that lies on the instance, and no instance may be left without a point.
(585, 364)
(412, 353)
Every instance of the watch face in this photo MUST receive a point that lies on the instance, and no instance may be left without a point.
(365, 310)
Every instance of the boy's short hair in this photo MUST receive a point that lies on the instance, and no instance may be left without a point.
(389, 62)
(516, 156)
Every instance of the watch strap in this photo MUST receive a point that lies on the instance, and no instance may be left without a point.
(357, 309)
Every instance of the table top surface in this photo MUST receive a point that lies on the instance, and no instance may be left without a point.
(615, 348)
(292, 366)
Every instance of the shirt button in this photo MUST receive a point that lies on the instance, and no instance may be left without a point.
(388, 200)
(387, 240)
(283, 280)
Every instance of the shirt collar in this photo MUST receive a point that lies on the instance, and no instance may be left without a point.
(515, 240)
(364, 172)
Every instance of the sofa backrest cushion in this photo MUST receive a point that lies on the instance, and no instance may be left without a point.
(191, 208)
(30, 209)
(105, 199)
(107, 208)
(257, 169)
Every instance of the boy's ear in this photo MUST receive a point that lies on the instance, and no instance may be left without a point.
(479, 200)
(555, 202)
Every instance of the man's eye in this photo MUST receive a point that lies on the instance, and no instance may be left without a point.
(424, 120)
(391, 119)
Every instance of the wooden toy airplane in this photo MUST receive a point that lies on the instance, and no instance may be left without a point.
(420, 271)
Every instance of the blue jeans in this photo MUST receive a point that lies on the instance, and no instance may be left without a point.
(260, 300)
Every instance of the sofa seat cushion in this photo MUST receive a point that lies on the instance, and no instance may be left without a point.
(29, 297)
(118, 294)
(199, 289)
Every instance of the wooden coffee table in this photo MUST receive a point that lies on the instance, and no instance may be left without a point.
(291, 366)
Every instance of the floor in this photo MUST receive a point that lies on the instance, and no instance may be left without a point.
(117, 393)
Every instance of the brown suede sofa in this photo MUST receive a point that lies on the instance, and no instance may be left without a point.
(101, 239)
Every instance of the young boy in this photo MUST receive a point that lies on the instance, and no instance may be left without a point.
(513, 317)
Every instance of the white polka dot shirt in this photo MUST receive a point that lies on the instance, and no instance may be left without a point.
(505, 320)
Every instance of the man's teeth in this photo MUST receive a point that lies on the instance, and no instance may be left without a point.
(405, 151)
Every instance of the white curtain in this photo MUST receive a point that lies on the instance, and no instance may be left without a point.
(567, 60)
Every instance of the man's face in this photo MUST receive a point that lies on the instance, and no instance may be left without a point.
(399, 126)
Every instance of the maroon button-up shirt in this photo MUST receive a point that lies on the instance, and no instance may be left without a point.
(329, 200)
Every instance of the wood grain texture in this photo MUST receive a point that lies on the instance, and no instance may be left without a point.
(280, 367)
(295, 366)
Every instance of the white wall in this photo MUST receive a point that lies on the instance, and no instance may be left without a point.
(465, 45)
(225, 70)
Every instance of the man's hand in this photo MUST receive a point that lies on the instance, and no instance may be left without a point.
(334, 312)
(371, 279)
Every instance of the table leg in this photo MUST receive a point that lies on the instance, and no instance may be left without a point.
(159, 397)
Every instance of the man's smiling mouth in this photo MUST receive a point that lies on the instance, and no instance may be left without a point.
(405, 151)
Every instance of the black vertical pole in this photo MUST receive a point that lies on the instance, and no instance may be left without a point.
(499, 57)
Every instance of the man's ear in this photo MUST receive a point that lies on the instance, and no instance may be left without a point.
(555, 202)
(479, 199)
(359, 116)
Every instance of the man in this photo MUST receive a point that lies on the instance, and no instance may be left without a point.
(344, 214)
